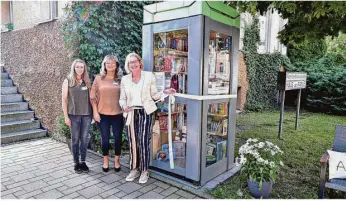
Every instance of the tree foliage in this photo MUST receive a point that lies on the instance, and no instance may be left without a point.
(307, 50)
(94, 29)
(337, 47)
(306, 19)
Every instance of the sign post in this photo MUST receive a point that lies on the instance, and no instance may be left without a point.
(290, 81)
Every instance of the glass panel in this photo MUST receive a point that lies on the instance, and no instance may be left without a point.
(5, 12)
(179, 135)
(217, 132)
(171, 60)
(219, 63)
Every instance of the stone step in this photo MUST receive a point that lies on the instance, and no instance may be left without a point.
(16, 116)
(16, 126)
(12, 107)
(4, 75)
(9, 90)
(6, 83)
(11, 98)
(22, 135)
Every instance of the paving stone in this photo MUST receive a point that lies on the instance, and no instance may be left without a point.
(185, 194)
(91, 183)
(79, 198)
(17, 184)
(96, 197)
(161, 184)
(21, 177)
(173, 196)
(54, 186)
(3, 188)
(43, 177)
(120, 194)
(53, 194)
(9, 182)
(158, 189)
(9, 196)
(110, 178)
(169, 191)
(34, 186)
(129, 187)
(19, 193)
(9, 191)
(62, 188)
(107, 193)
(71, 190)
(31, 194)
(60, 173)
(74, 182)
(71, 196)
(151, 195)
(113, 197)
(132, 195)
(90, 191)
(147, 188)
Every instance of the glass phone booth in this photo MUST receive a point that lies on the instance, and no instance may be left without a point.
(193, 47)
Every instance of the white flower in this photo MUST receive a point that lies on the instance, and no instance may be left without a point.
(260, 145)
(266, 162)
(239, 193)
(255, 140)
(260, 160)
(272, 152)
(272, 164)
(281, 163)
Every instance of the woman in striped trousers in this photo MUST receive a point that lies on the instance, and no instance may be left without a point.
(137, 96)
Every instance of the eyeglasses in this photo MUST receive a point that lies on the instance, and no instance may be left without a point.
(133, 62)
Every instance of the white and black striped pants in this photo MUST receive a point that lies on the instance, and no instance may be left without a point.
(139, 135)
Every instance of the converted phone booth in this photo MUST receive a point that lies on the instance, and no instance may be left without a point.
(193, 47)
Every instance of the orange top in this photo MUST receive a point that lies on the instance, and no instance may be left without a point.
(106, 93)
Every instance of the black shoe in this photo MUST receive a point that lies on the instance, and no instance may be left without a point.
(77, 168)
(105, 169)
(117, 169)
(84, 167)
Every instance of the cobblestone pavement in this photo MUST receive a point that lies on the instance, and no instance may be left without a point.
(43, 168)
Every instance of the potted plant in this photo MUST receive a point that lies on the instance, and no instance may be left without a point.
(260, 161)
(64, 130)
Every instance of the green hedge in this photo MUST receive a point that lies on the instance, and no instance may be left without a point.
(307, 50)
(326, 85)
(261, 72)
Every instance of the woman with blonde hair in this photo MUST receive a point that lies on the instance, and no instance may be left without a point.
(138, 93)
(77, 111)
(105, 94)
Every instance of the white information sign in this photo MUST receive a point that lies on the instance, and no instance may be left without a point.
(295, 80)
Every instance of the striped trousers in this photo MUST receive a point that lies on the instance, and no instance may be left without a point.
(139, 135)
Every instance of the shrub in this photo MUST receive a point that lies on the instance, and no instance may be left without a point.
(326, 85)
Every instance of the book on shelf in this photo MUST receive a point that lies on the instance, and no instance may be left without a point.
(221, 150)
(160, 80)
(211, 149)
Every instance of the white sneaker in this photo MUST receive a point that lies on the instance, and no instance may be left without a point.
(144, 177)
(133, 175)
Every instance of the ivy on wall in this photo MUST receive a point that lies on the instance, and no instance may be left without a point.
(261, 71)
(93, 29)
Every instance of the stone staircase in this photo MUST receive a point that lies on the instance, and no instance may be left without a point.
(17, 121)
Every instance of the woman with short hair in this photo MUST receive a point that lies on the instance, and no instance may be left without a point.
(138, 93)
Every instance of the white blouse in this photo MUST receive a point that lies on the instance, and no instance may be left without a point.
(136, 92)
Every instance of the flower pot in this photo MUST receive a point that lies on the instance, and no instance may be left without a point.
(69, 144)
(258, 192)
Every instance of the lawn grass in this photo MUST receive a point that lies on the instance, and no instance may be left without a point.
(302, 148)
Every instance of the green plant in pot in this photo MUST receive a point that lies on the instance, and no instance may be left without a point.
(64, 130)
(260, 161)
